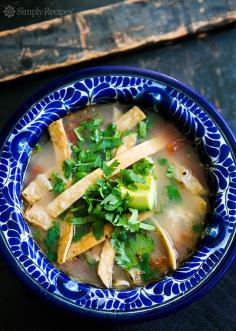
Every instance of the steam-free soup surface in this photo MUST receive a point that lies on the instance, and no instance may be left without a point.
(160, 201)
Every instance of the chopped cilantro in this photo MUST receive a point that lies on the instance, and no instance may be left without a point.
(127, 132)
(98, 229)
(58, 185)
(51, 241)
(80, 231)
(67, 167)
(143, 167)
(142, 129)
(170, 171)
(108, 170)
(79, 175)
(144, 266)
(173, 193)
(81, 220)
(129, 177)
(107, 143)
(108, 154)
(77, 131)
(110, 131)
(38, 148)
(162, 162)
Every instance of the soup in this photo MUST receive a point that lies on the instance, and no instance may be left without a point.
(115, 197)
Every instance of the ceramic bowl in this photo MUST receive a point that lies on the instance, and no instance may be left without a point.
(196, 117)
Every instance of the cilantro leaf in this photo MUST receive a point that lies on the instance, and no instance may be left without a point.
(144, 266)
(110, 131)
(162, 162)
(130, 252)
(58, 185)
(77, 131)
(81, 220)
(107, 143)
(125, 257)
(108, 170)
(51, 241)
(129, 177)
(37, 148)
(143, 244)
(143, 167)
(98, 229)
(80, 231)
(79, 175)
(173, 193)
(67, 167)
(142, 129)
(170, 171)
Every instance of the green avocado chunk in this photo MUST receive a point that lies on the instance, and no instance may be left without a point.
(144, 198)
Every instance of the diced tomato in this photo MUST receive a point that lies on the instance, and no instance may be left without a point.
(160, 263)
(36, 170)
(71, 136)
(175, 145)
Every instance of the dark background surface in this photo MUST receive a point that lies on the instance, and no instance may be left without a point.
(208, 64)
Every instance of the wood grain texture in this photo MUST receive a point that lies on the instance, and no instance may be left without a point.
(111, 29)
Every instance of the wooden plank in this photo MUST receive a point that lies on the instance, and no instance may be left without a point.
(111, 29)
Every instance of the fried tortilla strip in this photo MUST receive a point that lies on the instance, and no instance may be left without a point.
(66, 235)
(59, 140)
(106, 262)
(41, 185)
(129, 141)
(39, 217)
(190, 182)
(37, 189)
(169, 247)
(130, 119)
(76, 191)
(88, 241)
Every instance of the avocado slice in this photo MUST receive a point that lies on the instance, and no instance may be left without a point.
(144, 198)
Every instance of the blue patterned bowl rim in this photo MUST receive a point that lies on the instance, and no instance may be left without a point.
(156, 299)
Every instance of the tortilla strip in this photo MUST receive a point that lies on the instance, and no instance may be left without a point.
(59, 140)
(130, 119)
(190, 182)
(66, 235)
(88, 241)
(41, 185)
(106, 262)
(76, 191)
(169, 247)
(39, 217)
(129, 141)
(37, 189)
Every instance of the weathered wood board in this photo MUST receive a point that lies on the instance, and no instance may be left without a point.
(111, 29)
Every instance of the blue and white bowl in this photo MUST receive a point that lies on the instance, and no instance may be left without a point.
(196, 118)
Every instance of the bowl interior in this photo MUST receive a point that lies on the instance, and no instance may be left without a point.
(195, 117)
